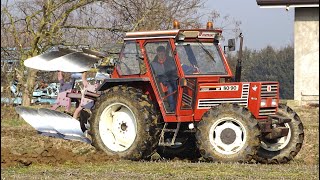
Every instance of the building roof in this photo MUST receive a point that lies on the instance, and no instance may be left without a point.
(287, 3)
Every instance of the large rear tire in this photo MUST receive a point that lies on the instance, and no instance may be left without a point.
(83, 118)
(124, 124)
(228, 133)
(284, 149)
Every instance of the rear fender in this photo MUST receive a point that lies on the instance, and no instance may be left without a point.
(107, 83)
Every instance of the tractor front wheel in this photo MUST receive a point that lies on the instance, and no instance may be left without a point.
(228, 133)
(283, 149)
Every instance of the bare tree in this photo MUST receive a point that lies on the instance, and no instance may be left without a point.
(155, 14)
(34, 26)
(229, 25)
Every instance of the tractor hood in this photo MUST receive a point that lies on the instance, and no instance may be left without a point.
(261, 98)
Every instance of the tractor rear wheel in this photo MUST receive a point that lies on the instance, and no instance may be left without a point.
(83, 118)
(228, 133)
(283, 149)
(124, 124)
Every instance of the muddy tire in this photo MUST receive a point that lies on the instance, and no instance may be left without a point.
(187, 150)
(124, 124)
(228, 133)
(283, 149)
(83, 118)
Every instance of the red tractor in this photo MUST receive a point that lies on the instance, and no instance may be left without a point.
(169, 91)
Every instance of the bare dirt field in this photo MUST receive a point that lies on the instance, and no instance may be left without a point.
(27, 155)
(22, 146)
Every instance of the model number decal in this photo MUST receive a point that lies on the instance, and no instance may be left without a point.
(220, 88)
(230, 88)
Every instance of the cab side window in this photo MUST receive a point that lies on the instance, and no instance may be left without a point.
(129, 61)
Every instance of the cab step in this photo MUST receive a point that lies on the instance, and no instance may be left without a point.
(169, 131)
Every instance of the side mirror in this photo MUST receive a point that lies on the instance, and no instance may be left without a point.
(232, 44)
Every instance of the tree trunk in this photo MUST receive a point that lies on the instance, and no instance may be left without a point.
(28, 87)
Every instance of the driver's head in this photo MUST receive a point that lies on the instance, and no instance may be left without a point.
(161, 52)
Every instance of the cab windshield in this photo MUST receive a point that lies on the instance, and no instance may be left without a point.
(200, 58)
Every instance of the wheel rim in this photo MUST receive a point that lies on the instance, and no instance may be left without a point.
(117, 127)
(227, 135)
(277, 144)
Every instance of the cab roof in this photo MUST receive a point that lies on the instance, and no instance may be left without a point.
(191, 33)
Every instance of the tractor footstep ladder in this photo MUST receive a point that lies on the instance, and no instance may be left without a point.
(162, 141)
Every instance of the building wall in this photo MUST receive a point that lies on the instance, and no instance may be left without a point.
(306, 53)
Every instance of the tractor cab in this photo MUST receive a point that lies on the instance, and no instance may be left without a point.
(174, 62)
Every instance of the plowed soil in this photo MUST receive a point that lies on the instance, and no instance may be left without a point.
(23, 146)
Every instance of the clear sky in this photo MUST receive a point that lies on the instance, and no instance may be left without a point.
(260, 26)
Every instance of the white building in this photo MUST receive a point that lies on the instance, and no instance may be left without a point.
(306, 46)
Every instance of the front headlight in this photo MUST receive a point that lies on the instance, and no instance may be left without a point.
(274, 102)
(263, 102)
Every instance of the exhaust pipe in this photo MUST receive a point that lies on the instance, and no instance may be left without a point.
(239, 67)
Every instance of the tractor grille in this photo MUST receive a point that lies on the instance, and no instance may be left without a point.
(269, 90)
(267, 111)
(245, 91)
(187, 100)
(243, 101)
(188, 94)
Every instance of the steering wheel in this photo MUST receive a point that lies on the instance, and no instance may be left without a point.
(189, 69)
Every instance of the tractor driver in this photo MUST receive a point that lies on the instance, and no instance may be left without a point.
(166, 73)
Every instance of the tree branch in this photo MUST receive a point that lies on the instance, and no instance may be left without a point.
(92, 28)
